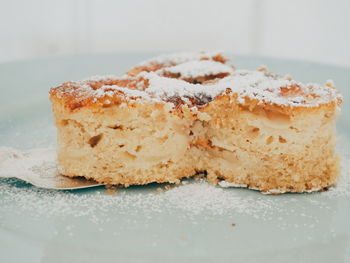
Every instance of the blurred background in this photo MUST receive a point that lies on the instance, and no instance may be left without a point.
(313, 30)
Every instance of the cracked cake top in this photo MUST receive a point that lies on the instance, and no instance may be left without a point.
(194, 80)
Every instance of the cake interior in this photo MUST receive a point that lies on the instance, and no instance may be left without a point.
(146, 143)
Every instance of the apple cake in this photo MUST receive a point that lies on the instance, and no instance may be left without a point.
(184, 114)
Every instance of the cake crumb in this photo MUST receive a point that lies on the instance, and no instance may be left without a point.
(111, 189)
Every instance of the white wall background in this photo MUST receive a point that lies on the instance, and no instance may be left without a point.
(317, 30)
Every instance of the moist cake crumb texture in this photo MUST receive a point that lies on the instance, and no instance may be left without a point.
(177, 115)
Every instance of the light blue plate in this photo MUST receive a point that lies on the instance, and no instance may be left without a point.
(141, 225)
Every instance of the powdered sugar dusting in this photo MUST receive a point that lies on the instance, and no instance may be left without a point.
(194, 197)
(256, 85)
(162, 88)
(200, 196)
(111, 90)
(262, 86)
(193, 69)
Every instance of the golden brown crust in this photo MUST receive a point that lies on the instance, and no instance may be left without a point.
(68, 94)
(103, 93)
(256, 106)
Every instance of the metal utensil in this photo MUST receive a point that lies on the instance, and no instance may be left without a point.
(38, 167)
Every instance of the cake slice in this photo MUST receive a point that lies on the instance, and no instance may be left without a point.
(181, 114)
